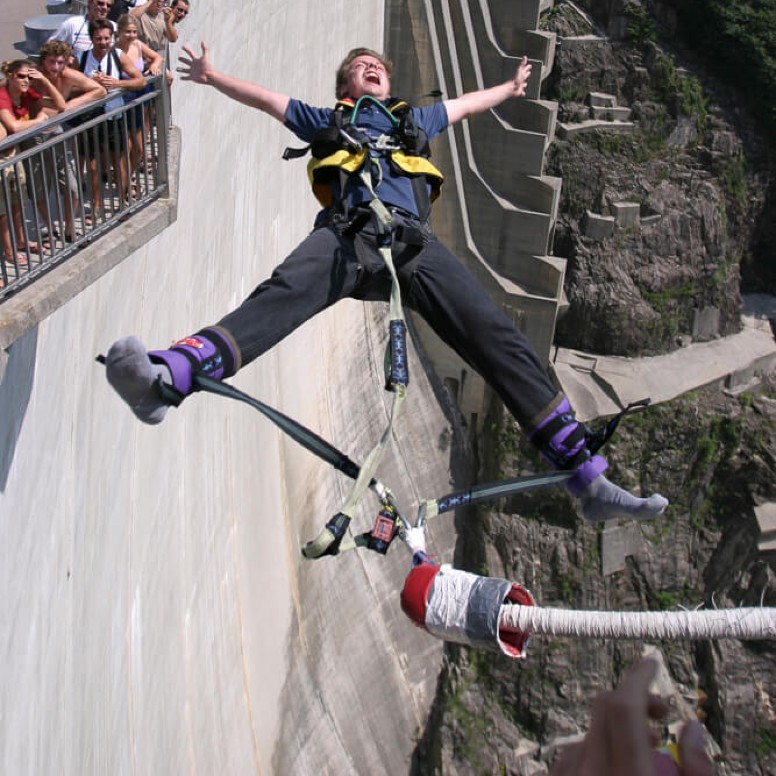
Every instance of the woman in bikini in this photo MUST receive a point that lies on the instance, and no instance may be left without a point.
(148, 62)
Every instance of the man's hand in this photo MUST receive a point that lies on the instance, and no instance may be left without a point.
(472, 103)
(197, 69)
(522, 75)
(621, 740)
(107, 81)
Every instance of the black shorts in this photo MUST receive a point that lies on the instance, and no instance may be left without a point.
(110, 137)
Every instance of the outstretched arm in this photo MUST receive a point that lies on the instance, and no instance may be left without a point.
(199, 70)
(472, 103)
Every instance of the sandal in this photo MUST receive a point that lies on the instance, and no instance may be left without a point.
(21, 261)
(38, 248)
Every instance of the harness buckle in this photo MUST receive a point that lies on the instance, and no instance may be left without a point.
(384, 531)
(355, 139)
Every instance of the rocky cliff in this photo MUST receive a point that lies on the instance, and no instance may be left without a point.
(687, 160)
(714, 456)
(693, 166)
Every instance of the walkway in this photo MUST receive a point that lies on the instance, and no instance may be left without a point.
(602, 385)
(12, 25)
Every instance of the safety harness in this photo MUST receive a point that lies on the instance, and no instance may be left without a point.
(340, 150)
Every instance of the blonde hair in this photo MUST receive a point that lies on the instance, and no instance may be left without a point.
(125, 20)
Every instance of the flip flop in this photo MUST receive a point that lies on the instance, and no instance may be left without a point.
(33, 247)
(21, 261)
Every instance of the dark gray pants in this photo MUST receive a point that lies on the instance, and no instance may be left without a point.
(329, 265)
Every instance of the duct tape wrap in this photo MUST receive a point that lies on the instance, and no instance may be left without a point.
(458, 606)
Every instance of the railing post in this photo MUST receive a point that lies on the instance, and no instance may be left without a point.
(162, 115)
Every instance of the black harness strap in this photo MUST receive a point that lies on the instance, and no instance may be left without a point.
(598, 438)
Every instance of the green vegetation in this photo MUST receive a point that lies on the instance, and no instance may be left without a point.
(683, 89)
(665, 599)
(573, 94)
(641, 27)
(733, 177)
(765, 741)
(738, 44)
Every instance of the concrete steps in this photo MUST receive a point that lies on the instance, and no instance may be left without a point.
(603, 112)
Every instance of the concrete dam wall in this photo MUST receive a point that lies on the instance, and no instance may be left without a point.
(157, 616)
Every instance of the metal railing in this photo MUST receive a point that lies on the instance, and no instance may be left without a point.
(68, 181)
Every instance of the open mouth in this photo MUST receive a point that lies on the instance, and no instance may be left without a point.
(373, 78)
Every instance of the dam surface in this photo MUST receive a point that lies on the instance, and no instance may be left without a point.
(157, 615)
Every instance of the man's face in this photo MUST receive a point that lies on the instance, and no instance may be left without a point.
(98, 9)
(367, 75)
(181, 11)
(101, 41)
(53, 66)
(156, 7)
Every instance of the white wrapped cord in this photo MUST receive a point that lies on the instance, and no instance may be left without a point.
(744, 623)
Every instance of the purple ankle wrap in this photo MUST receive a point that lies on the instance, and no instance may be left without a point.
(555, 450)
(585, 474)
(195, 354)
(179, 366)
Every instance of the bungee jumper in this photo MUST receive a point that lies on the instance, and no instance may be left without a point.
(372, 241)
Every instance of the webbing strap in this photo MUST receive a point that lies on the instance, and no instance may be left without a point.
(330, 540)
(488, 492)
(383, 221)
(308, 439)
(372, 460)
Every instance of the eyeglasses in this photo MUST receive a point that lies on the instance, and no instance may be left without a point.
(369, 65)
(22, 76)
(103, 4)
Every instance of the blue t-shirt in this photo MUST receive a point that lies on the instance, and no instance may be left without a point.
(393, 189)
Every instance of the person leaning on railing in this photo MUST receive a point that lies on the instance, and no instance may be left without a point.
(147, 61)
(11, 183)
(77, 90)
(21, 107)
(114, 70)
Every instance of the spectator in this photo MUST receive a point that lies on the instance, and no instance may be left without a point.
(120, 7)
(75, 30)
(146, 60)
(77, 90)
(180, 10)
(114, 70)
(12, 182)
(156, 24)
(21, 107)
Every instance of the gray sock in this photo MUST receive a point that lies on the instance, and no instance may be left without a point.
(132, 375)
(603, 500)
